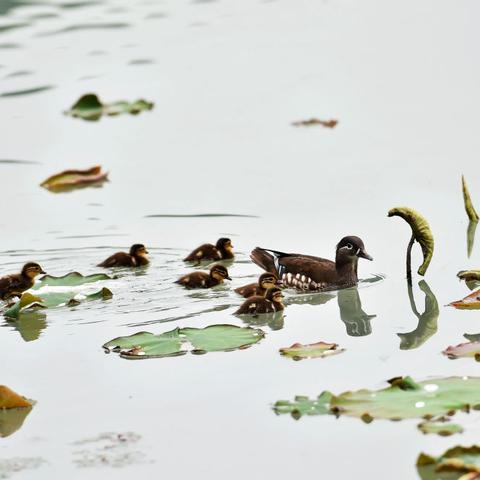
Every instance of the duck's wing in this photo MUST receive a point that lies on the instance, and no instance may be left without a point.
(206, 251)
(11, 283)
(120, 259)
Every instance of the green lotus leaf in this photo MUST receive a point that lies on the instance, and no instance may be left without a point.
(71, 179)
(404, 398)
(420, 232)
(90, 108)
(472, 214)
(313, 350)
(12, 419)
(213, 338)
(27, 301)
(471, 278)
(444, 429)
(73, 279)
(458, 463)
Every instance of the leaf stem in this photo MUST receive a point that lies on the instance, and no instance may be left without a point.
(409, 260)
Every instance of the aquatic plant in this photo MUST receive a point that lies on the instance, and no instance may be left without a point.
(71, 179)
(459, 463)
(313, 350)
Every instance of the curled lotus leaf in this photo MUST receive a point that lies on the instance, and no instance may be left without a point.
(470, 302)
(10, 399)
(403, 399)
(469, 208)
(464, 350)
(470, 277)
(71, 179)
(90, 108)
(442, 428)
(214, 338)
(72, 279)
(420, 231)
(313, 350)
(27, 302)
(464, 461)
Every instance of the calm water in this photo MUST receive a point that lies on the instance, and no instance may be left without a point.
(228, 78)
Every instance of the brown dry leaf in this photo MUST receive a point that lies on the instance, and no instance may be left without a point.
(10, 399)
(311, 122)
(470, 302)
(70, 179)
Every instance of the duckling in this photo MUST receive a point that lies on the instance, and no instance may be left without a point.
(270, 303)
(135, 258)
(305, 272)
(222, 250)
(266, 281)
(216, 276)
(14, 285)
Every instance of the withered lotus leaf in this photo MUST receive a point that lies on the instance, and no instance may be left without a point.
(90, 108)
(311, 122)
(420, 232)
(403, 399)
(313, 350)
(470, 302)
(11, 399)
(70, 179)
(464, 350)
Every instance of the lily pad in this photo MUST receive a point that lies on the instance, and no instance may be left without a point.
(27, 302)
(313, 350)
(10, 399)
(464, 350)
(462, 461)
(470, 302)
(73, 279)
(404, 398)
(444, 429)
(213, 338)
(71, 179)
(90, 108)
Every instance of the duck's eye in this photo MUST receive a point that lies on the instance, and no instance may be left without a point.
(349, 246)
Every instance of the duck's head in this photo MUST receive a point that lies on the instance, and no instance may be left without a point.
(350, 249)
(224, 245)
(138, 250)
(31, 270)
(274, 295)
(220, 273)
(267, 280)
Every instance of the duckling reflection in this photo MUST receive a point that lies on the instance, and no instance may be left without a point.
(30, 324)
(427, 321)
(352, 315)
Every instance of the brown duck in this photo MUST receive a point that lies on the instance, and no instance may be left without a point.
(305, 272)
(137, 257)
(222, 250)
(265, 281)
(14, 285)
(256, 305)
(216, 276)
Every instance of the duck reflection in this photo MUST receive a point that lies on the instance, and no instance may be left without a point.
(12, 419)
(29, 324)
(351, 313)
(427, 321)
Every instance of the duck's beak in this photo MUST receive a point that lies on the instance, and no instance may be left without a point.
(41, 271)
(227, 278)
(146, 251)
(363, 254)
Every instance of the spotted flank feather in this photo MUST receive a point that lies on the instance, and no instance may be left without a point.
(301, 282)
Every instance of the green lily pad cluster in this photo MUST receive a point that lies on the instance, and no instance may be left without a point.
(214, 338)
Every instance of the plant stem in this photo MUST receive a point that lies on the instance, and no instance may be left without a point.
(409, 260)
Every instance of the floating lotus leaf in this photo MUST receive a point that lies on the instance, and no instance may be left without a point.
(313, 350)
(470, 302)
(458, 463)
(27, 302)
(464, 350)
(311, 122)
(420, 232)
(73, 279)
(71, 179)
(213, 338)
(90, 108)
(471, 278)
(10, 399)
(472, 214)
(442, 428)
(404, 398)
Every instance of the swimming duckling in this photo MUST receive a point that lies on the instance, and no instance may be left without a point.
(216, 276)
(270, 303)
(222, 250)
(14, 285)
(266, 281)
(305, 272)
(137, 257)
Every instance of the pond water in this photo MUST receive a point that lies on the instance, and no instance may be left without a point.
(227, 79)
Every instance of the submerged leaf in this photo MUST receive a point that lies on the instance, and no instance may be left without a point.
(442, 428)
(313, 350)
(89, 107)
(471, 212)
(470, 302)
(10, 399)
(471, 229)
(464, 350)
(72, 279)
(462, 460)
(213, 338)
(403, 399)
(70, 179)
(315, 122)
(12, 419)
(421, 233)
